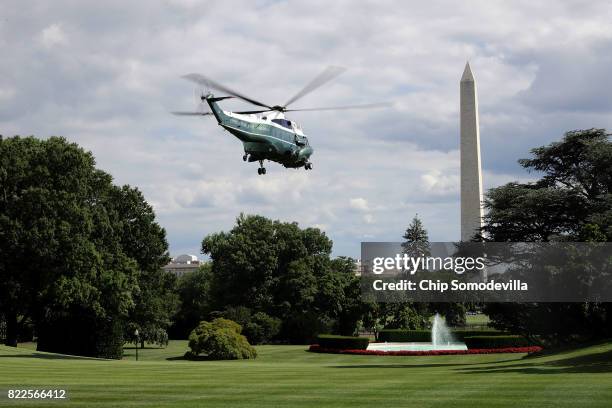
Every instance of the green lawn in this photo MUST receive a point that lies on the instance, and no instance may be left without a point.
(477, 320)
(288, 376)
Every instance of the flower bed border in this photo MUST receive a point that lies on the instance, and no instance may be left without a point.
(315, 348)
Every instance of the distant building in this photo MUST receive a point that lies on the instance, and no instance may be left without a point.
(358, 267)
(183, 264)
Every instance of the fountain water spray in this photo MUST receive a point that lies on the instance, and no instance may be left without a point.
(441, 339)
(440, 333)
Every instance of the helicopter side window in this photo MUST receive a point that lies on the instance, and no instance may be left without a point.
(283, 122)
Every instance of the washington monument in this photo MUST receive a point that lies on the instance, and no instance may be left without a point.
(471, 173)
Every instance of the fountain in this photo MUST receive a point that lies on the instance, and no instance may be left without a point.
(441, 339)
(440, 333)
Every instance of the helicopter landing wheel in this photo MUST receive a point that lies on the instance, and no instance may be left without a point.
(308, 166)
(245, 157)
(261, 170)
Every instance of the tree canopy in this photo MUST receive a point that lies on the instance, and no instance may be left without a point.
(74, 248)
(284, 271)
(571, 201)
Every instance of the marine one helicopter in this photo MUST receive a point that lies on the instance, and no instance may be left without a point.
(266, 133)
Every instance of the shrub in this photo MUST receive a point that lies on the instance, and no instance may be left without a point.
(342, 342)
(455, 314)
(461, 335)
(303, 328)
(219, 340)
(238, 314)
(407, 317)
(491, 342)
(400, 335)
(261, 328)
(150, 334)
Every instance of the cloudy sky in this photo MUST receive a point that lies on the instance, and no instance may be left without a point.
(106, 74)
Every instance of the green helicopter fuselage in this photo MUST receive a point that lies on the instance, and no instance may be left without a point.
(268, 137)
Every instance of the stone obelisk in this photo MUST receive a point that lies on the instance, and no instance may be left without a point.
(471, 174)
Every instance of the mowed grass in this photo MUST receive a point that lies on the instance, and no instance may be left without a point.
(288, 376)
(477, 320)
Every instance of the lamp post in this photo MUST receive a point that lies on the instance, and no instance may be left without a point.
(137, 342)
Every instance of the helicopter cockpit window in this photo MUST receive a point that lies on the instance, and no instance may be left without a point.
(283, 122)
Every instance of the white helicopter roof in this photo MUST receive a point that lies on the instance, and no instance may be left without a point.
(273, 118)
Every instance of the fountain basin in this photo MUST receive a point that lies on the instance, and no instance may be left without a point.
(415, 346)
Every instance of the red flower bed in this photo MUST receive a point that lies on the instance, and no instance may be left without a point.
(315, 348)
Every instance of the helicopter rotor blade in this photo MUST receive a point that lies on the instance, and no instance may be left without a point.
(202, 80)
(253, 112)
(327, 75)
(191, 113)
(367, 106)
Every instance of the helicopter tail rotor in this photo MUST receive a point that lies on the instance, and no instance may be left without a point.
(199, 100)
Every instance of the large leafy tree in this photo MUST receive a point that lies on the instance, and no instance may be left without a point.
(143, 240)
(284, 271)
(48, 259)
(193, 290)
(571, 201)
(74, 247)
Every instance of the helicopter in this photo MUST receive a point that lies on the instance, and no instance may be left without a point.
(267, 134)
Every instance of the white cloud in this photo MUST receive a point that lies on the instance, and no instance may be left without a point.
(53, 35)
(437, 183)
(6, 94)
(101, 75)
(359, 204)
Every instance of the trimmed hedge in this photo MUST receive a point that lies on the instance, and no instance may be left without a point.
(329, 341)
(402, 335)
(461, 335)
(315, 348)
(493, 342)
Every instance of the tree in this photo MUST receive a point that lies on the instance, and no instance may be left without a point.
(155, 303)
(68, 261)
(454, 313)
(416, 316)
(411, 316)
(572, 201)
(142, 239)
(193, 291)
(259, 328)
(351, 308)
(283, 271)
(262, 328)
(416, 239)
